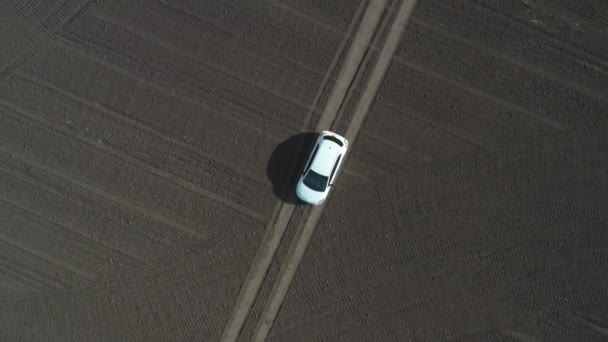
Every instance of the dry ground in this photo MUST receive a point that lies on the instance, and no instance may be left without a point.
(135, 140)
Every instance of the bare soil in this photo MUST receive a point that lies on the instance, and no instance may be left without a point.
(143, 144)
(461, 250)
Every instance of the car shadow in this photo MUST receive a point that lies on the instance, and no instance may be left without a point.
(286, 163)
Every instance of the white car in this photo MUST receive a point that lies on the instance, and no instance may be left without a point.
(321, 168)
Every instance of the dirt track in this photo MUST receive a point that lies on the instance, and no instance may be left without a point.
(135, 140)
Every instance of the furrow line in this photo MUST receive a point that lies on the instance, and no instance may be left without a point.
(82, 51)
(440, 127)
(76, 181)
(574, 49)
(590, 18)
(185, 12)
(137, 260)
(82, 273)
(123, 117)
(591, 92)
(304, 16)
(175, 49)
(479, 92)
(140, 164)
(27, 276)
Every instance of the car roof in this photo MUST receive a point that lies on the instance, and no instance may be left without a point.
(326, 157)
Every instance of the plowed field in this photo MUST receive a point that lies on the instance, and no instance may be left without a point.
(148, 151)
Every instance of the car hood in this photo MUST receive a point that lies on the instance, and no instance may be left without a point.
(308, 195)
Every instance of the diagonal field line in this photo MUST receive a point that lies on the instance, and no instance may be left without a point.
(304, 235)
(272, 237)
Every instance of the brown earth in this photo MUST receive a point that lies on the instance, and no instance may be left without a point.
(141, 148)
(467, 249)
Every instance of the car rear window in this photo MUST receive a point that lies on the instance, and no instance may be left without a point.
(334, 139)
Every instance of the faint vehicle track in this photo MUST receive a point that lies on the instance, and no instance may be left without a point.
(276, 229)
(304, 235)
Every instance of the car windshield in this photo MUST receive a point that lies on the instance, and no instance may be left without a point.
(315, 181)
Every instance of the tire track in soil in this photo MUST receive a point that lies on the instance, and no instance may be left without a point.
(299, 217)
(302, 238)
(284, 211)
(352, 64)
(362, 72)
